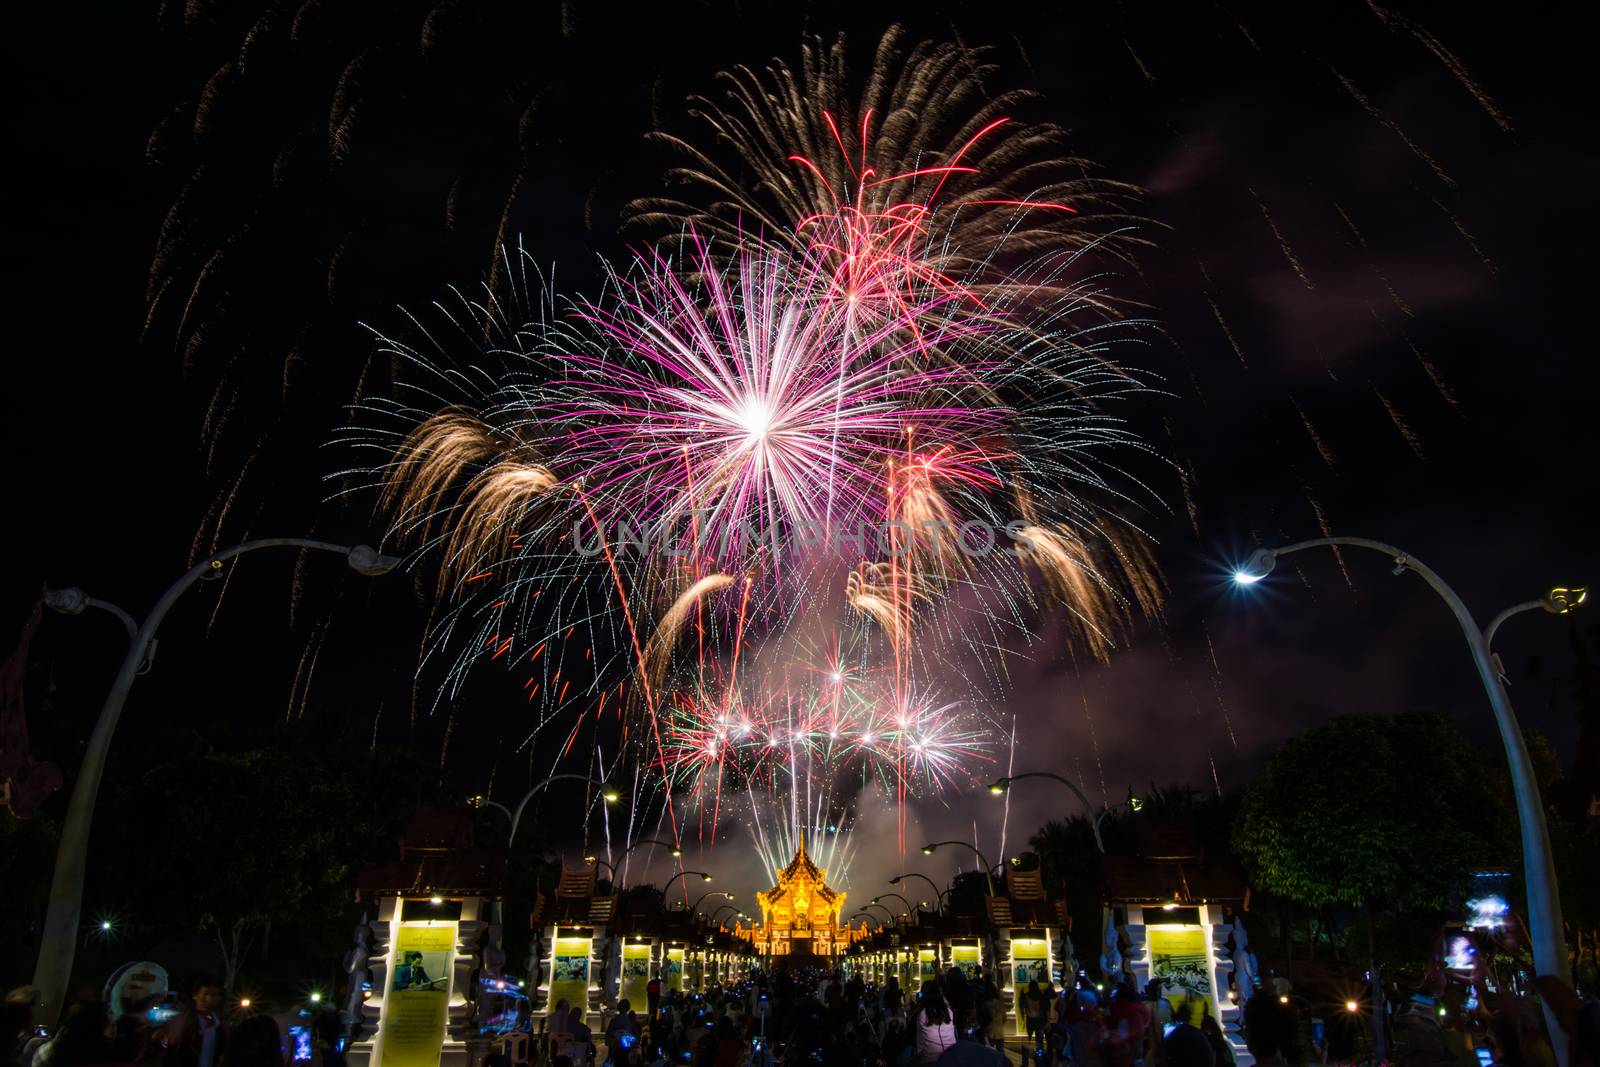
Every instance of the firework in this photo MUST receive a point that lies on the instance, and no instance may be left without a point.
(889, 405)
(924, 149)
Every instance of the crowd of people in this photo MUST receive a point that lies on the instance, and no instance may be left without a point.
(955, 1020)
(816, 1017)
(170, 1030)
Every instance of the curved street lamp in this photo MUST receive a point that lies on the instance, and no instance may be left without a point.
(674, 849)
(704, 877)
(937, 892)
(880, 907)
(864, 913)
(607, 794)
(1544, 901)
(598, 862)
(59, 937)
(898, 897)
(709, 893)
(722, 908)
(1003, 785)
(988, 868)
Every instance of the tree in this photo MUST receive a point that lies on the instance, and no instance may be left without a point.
(1368, 811)
(269, 837)
(247, 839)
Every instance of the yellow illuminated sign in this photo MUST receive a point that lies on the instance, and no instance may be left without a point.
(569, 972)
(416, 1004)
(1178, 957)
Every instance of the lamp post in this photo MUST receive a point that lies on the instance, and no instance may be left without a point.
(898, 897)
(722, 908)
(59, 937)
(1002, 785)
(607, 794)
(988, 868)
(675, 850)
(1544, 901)
(937, 892)
(598, 862)
(709, 893)
(881, 923)
(704, 877)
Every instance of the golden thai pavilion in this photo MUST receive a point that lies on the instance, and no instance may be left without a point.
(800, 915)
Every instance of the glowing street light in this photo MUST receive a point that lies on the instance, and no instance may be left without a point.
(608, 794)
(1544, 901)
(1001, 786)
(58, 941)
(703, 876)
(988, 868)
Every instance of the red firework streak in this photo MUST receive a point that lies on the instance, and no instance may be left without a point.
(638, 653)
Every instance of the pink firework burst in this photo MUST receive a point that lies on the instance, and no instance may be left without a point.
(752, 407)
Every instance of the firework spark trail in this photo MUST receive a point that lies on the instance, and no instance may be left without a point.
(1194, 707)
(1011, 763)
(1186, 483)
(1396, 21)
(1411, 439)
(1435, 377)
(1216, 684)
(1094, 740)
(1466, 235)
(1283, 243)
(664, 638)
(868, 341)
(1327, 531)
(1366, 105)
(1144, 70)
(1245, 31)
(1322, 449)
(1361, 240)
(1226, 332)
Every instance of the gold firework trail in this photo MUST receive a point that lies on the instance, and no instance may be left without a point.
(1232, 341)
(1394, 296)
(1216, 683)
(1400, 424)
(1245, 30)
(1188, 502)
(1322, 449)
(1435, 377)
(1451, 62)
(1393, 126)
(1194, 707)
(1094, 740)
(1327, 531)
(1466, 234)
(1151, 78)
(1217, 311)
(1283, 243)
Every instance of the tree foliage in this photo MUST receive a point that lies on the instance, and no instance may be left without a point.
(230, 844)
(1369, 809)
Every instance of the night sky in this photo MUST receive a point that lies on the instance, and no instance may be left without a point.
(1390, 210)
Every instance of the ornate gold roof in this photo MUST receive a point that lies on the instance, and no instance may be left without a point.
(802, 874)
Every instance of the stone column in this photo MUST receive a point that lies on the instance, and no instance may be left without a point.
(461, 1015)
(364, 1052)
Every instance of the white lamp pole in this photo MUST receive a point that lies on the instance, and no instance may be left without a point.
(1544, 900)
(59, 939)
